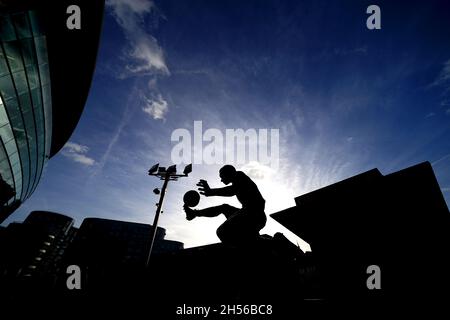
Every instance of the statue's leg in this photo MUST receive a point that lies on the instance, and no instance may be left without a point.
(225, 209)
(241, 227)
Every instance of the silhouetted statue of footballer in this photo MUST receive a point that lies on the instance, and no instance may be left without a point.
(242, 225)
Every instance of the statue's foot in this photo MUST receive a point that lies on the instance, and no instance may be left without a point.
(190, 213)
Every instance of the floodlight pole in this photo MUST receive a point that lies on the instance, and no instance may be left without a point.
(158, 212)
(166, 175)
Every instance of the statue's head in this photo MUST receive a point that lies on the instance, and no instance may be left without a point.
(227, 174)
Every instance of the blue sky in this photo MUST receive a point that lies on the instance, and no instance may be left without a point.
(344, 98)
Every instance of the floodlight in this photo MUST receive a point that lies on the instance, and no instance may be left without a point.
(172, 169)
(187, 169)
(162, 170)
(153, 169)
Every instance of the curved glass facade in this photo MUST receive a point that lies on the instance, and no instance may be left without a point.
(25, 103)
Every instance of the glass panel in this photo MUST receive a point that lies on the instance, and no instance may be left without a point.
(18, 189)
(6, 88)
(22, 27)
(35, 25)
(39, 120)
(41, 49)
(10, 146)
(6, 177)
(5, 170)
(14, 158)
(6, 133)
(18, 185)
(29, 123)
(3, 116)
(20, 139)
(25, 176)
(47, 117)
(13, 111)
(21, 82)
(28, 51)
(16, 169)
(25, 170)
(7, 29)
(33, 77)
(41, 163)
(40, 158)
(6, 174)
(41, 145)
(3, 66)
(45, 74)
(2, 153)
(25, 102)
(40, 141)
(4, 164)
(17, 124)
(13, 55)
(33, 164)
(36, 97)
(17, 172)
(47, 97)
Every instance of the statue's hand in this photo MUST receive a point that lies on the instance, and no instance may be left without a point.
(190, 213)
(204, 188)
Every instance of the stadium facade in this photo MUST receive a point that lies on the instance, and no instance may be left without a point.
(46, 68)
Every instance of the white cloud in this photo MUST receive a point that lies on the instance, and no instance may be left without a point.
(143, 54)
(138, 7)
(444, 75)
(147, 55)
(157, 108)
(76, 152)
(257, 170)
(75, 147)
(81, 158)
(152, 84)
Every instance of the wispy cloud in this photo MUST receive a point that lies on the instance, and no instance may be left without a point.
(77, 153)
(156, 107)
(143, 53)
(444, 75)
(447, 156)
(126, 116)
(330, 53)
(350, 51)
(443, 80)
